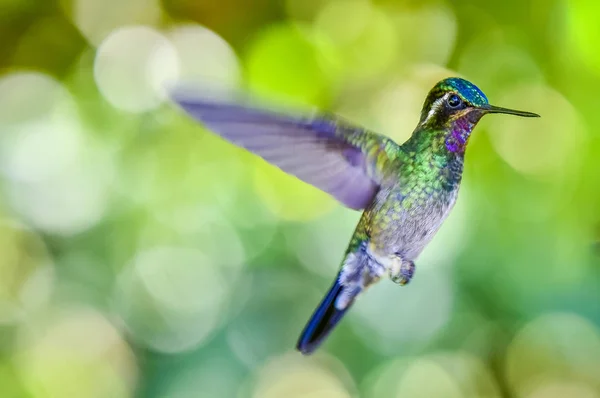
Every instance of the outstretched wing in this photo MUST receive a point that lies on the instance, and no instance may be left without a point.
(340, 159)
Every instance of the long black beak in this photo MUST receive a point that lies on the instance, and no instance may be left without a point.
(497, 109)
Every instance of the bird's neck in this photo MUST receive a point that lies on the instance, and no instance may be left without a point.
(458, 134)
(448, 139)
(441, 148)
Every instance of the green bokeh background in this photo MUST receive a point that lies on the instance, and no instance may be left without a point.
(141, 256)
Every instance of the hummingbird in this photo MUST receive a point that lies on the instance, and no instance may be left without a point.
(405, 191)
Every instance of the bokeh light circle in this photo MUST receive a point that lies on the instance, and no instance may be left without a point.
(493, 65)
(412, 382)
(426, 34)
(97, 19)
(133, 68)
(344, 21)
(65, 204)
(292, 377)
(582, 24)
(540, 147)
(170, 298)
(57, 177)
(288, 197)
(26, 272)
(211, 376)
(561, 389)
(454, 374)
(287, 59)
(304, 10)
(320, 244)
(197, 169)
(408, 316)
(204, 57)
(273, 303)
(40, 130)
(556, 346)
(473, 375)
(75, 352)
(363, 35)
(210, 233)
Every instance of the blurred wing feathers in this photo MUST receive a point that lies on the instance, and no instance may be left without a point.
(333, 156)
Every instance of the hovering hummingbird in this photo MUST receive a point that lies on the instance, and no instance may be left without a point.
(406, 191)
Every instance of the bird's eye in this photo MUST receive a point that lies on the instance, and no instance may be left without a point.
(454, 101)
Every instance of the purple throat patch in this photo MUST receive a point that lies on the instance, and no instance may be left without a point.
(459, 136)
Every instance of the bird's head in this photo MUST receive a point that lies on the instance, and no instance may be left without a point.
(456, 105)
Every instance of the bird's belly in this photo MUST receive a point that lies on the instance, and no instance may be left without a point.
(407, 227)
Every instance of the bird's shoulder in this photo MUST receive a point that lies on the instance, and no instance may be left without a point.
(364, 138)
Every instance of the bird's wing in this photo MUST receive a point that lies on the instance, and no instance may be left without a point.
(340, 159)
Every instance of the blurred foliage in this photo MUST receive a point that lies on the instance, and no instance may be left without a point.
(144, 257)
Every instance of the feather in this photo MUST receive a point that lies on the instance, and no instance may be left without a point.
(322, 151)
(323, 320)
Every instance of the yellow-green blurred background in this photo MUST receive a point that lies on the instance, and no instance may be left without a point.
(140, 256)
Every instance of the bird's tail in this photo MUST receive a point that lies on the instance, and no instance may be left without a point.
(332, 308)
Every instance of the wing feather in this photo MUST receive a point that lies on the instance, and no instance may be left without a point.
(332, 156)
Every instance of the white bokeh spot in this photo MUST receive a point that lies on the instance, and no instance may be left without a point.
(133, 68)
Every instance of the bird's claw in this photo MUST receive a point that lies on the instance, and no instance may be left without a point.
(401, 271)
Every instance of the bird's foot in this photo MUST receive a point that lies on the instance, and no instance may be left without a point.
(360, 269)
(401, 271)
(374, 267)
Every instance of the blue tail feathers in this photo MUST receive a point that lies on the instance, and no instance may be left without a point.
(323, 320)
